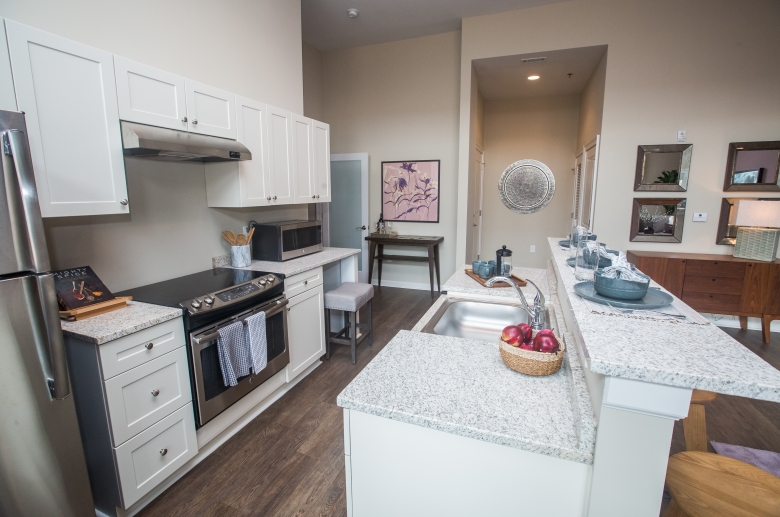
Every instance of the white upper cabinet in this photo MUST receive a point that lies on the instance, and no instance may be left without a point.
(280, 155)
(68, 93)
(210, 111)
(321, 161)
(302, 159)
(243, 183)
(7, 96)
(150, 96)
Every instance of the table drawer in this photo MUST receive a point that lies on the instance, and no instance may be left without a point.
(713, 285)
(127, 352)
(715, 268)
(146, 394)
(301, 282)
(710, 302)
(141, 462)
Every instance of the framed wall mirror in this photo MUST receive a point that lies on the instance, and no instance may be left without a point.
(658, 219)
(753, 166)
(729, 208)
(663, 168)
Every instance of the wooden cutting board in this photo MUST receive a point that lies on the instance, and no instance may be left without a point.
(117, 303)
(519, 281)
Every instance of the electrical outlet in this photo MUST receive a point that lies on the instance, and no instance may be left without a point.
(681, 135)
(533, 248)
(699, 217)
(245, 229)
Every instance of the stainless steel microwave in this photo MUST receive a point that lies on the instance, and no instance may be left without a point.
(285, 240)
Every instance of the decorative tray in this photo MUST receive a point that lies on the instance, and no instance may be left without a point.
(654, 299)
(483, 281)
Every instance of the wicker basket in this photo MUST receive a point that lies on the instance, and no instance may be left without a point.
(529, 362)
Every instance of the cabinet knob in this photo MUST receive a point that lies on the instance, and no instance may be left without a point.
(195, 121)
(155, 392)
(163, 452)
(305, 282)
(149, 346)
(274, 198)
(184, 119)
(318, 196)
(313, 196)
(123, 202)
(269, 198)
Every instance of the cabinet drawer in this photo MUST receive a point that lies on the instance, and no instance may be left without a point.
(301, 282)
(713, 284)
(141, 462)
(144, 395)
(710, 302)
(715, 268)
(136, 349)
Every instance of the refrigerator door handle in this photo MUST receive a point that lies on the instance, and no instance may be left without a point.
(15, 146)
(56, 371)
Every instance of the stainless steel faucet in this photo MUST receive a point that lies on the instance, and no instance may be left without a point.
(537, 313)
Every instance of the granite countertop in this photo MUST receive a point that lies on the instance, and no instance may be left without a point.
(293, 266)
(460, 282)
(675, 354)
(112, 325)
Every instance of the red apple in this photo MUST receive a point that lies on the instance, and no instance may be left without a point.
(546, 332)
(527, 346)
(526, 331)
(546, 343)
(511, 335)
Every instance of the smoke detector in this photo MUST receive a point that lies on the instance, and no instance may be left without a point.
(352, 13)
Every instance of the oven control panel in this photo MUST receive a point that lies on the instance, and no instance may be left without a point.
(230, 295)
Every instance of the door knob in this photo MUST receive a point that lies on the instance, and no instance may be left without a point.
(473, 224)
(361, 227)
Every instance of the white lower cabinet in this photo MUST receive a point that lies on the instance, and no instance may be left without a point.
(154, 454)
(306, 330)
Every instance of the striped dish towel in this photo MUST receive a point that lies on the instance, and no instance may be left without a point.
(258, 344)
(233, 353)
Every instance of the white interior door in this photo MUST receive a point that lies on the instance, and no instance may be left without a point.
(476, 203)
(150, 96)
(68, 92)
(347, 213)
(592, 168)
(585, 176)
(210, 111)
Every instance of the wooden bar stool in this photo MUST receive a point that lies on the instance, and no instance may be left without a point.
(703, 484)
(349, 297)
(695, 425)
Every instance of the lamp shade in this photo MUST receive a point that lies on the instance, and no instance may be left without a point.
(765, 214)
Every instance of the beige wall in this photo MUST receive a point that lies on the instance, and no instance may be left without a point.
(707, 66)
(313, 91)
(399, 101)
(251, 48)
(540, 128)
(477, 139)
(592, 104)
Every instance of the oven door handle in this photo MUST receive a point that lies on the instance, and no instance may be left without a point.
(276, 307)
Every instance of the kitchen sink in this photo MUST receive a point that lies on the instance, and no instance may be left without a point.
(480, 320)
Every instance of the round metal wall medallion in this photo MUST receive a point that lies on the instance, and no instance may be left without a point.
(526, 186)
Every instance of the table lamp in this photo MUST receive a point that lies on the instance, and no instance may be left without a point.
(757, 234)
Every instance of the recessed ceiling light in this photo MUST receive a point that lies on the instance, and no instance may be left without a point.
(352, 13)
(533, 77)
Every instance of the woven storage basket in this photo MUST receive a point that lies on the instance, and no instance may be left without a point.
(531, 363)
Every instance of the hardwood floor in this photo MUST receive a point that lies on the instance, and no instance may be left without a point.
(289, 461)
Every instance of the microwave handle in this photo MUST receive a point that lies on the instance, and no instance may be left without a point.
(277, 307)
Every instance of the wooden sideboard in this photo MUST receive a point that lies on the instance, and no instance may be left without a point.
(717, 284)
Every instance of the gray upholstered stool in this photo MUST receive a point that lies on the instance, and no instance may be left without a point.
(349, 297)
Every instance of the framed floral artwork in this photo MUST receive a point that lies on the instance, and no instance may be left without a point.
(410, 191)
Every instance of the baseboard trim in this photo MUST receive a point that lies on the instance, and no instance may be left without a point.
(723, 320)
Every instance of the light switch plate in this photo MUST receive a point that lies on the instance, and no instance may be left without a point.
(681, 135)
(699, 217)
(533, 248)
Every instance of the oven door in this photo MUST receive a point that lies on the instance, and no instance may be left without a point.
(211, 394)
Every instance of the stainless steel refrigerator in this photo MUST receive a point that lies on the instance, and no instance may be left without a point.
(42, 466)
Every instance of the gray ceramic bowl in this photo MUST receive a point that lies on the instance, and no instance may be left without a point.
(619, 288)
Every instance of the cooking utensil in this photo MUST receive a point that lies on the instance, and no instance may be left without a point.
(230, 237)
(240, 239)
(249, 235)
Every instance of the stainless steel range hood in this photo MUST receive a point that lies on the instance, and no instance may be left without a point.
(157, 143)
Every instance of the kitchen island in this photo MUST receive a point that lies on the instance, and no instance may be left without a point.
(438, 425)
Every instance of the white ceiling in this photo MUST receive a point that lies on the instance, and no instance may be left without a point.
(506, 77)
(327, 26)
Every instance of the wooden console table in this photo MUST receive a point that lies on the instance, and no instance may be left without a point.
(718, 284)
(378, 241)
